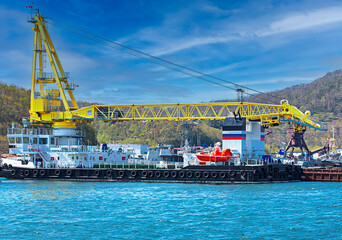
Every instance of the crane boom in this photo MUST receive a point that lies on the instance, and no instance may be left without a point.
(51, 106)
(268, 115)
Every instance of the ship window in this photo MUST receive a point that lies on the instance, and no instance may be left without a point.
(42, 140)
(18, 140)
(73, 158)
(35, 141)
(11, 140)
(77, 157)
(57, 158)
(25, 140)
(52, 141)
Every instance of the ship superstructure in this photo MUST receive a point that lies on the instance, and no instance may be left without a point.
(58, 148)
(246, 137)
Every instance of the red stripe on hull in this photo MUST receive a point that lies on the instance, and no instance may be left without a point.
(234, 138)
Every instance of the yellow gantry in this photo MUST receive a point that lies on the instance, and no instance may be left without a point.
(44, 101)
(267, 114)
(52, 106)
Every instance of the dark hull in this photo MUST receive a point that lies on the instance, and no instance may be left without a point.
(202, 174)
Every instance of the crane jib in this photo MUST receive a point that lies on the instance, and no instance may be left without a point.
(57, 105)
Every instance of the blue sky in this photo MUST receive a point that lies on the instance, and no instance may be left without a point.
(265, 45)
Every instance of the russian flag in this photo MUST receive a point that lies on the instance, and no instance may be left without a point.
(195, 124)
(262, 137)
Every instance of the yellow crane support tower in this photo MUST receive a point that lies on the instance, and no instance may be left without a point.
(58, 107)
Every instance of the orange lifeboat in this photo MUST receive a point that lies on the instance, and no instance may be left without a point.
(216, 156)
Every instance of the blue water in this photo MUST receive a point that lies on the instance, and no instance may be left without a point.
(83, 210)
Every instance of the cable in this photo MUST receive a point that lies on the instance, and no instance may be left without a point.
(158, 63)
(189, 74)
(157, 58)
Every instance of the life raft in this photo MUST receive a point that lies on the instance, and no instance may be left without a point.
(216, 156)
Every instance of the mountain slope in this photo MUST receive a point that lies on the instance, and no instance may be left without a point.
(14, 104)
(323, 97)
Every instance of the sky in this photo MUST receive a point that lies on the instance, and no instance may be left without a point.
(264, 45)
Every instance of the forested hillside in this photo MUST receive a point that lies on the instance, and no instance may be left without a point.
(156, 132)
(14, 105)
(323, 97)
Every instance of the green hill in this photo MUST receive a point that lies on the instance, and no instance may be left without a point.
(14, 104)
(152, 133)
(323, 98)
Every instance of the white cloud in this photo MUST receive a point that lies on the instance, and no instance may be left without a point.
(225, 30)
(19, 59)
(170, 36)
(16, 17)
(216, 10)
(278, 80)
(225, 68)
(209, 72)
(76, 63)
(192, 42)
(299, 21)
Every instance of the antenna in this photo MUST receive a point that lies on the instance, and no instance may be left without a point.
(32, 11)
(240, 92)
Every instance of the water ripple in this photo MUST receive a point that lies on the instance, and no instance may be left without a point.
(80, 210)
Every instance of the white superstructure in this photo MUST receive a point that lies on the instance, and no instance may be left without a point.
(58, 147)
(138, 149)
(160, 153)
(245, 137)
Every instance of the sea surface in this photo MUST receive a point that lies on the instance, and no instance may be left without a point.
(104, 210)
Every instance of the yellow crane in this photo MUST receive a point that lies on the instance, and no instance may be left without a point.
(58, 107)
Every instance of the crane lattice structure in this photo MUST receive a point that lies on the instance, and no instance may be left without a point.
(58, 107)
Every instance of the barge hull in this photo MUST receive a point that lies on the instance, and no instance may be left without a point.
(203, 174)
(322, 174)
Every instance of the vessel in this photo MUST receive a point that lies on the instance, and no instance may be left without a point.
(49, 146)
(322, 174)
(60, 154)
